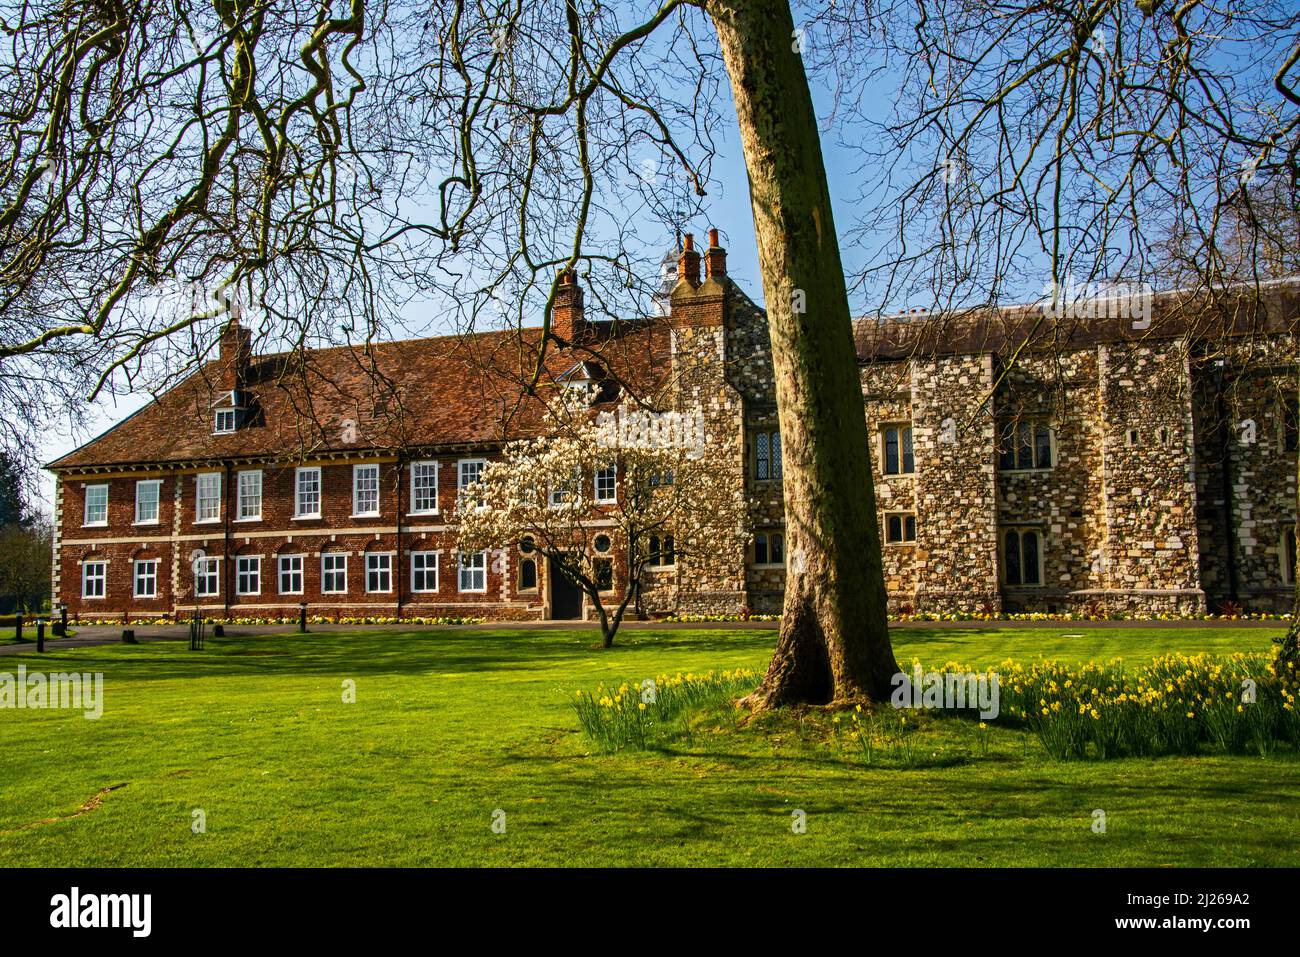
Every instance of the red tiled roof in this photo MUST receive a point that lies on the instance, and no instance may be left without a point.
(422, 393)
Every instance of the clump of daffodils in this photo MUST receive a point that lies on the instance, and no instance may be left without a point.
(1174, 704)
(625, 716)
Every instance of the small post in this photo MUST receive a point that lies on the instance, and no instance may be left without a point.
(302, 617)
(40, 635)
(63, 619)
(18, 626)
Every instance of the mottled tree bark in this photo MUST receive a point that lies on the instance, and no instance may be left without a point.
(834, 643)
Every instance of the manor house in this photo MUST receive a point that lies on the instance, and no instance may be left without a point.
(1117, 464)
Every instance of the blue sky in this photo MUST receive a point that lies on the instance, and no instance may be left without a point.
(727, 209)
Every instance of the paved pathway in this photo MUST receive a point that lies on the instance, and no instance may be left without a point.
(109, 634)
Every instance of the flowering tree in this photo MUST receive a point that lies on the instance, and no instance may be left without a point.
(604, 496)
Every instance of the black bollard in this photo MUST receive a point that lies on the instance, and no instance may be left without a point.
(40, 634)
(128, 636)
(63, 620)
(18, 626)
(302, 617)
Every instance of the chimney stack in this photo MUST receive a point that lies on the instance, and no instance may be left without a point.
(715, 258)
(235, 355)
(566, 314)
(688, 264)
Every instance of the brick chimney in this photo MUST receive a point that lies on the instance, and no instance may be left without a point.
(688, 263)
(567, 320)
(696, 303)
(235, 355)
(715, 259)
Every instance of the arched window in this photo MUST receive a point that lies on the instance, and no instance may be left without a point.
(900, 527)
(527, 574)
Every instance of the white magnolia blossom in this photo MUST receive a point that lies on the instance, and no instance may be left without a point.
(544, 488)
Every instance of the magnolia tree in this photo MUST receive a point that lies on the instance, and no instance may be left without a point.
(605, 496)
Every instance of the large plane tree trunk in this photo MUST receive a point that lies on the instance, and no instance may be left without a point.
(834, 642)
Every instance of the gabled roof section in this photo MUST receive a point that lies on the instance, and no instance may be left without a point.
(449, 391)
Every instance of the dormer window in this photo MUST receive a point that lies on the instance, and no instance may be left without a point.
(584, 380)
(228, 411)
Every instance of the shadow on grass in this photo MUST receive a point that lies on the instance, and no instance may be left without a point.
(384, 652)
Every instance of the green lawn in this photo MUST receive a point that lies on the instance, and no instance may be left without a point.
(450, 726)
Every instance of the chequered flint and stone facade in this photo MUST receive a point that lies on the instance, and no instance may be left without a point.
(1115, 467)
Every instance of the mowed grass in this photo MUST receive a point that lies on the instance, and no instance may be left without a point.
(450, 726)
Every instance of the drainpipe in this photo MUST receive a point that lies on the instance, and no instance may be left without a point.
(1225, 478)
(398, 575)
(225, 514)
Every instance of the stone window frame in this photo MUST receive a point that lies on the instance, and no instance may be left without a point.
(1034, 421)
(902, 514)
(655, 551)
(899, 425)
(774, 470)
(1286, 554)
(769, 535)
(1021, 529)
(1132, 437)
(531, 562)
(528, 556)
